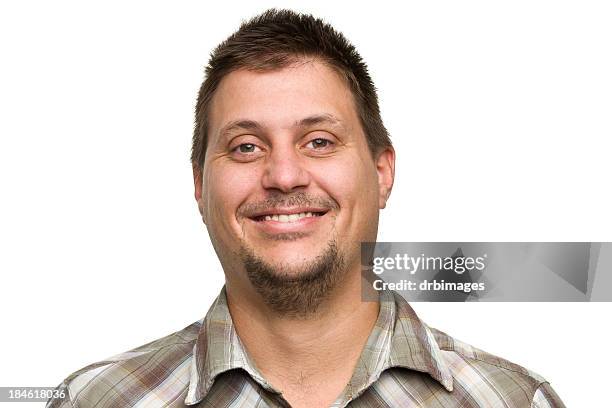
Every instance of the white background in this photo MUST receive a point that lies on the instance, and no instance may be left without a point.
(499, 112)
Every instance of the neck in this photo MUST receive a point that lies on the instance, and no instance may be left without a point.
(307, 351)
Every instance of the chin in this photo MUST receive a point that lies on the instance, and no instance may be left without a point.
(288, 258)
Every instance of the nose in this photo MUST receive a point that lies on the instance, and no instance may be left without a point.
(285, 170)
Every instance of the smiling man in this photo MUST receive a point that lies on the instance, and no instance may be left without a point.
(291, 166)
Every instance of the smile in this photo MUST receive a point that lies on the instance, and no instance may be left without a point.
(274, 221)
(288, 217)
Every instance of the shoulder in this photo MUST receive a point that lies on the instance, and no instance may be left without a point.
(474, 368)
(133, 373)
(472, 354)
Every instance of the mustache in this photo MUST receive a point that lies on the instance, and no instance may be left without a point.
(280, 200)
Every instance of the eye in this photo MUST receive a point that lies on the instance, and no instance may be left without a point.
(319, 143)
(246, 148)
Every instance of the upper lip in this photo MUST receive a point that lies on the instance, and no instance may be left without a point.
(287, 211)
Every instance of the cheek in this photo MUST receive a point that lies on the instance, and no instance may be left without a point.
(354, 186)
(225, 190)
(352, 183)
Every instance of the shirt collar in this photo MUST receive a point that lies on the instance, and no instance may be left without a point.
(218, 349)
(399, 339)
(413, 344)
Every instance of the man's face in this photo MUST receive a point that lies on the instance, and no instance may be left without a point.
(288, 170)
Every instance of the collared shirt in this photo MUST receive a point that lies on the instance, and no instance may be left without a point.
(404, 363)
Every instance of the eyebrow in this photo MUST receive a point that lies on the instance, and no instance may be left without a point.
(322, 118)
(251, 125)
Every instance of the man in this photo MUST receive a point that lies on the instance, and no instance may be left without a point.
(291, 165)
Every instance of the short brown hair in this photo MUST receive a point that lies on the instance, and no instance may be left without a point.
(275, 39)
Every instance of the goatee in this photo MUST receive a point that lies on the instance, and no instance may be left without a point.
(295, 291)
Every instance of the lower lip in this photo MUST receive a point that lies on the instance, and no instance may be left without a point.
(301, 225)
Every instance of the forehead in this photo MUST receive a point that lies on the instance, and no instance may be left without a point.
(280, 97)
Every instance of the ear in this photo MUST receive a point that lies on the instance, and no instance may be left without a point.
(197, 184)
(385, 167)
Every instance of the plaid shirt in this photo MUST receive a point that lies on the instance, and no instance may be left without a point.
(405, 363)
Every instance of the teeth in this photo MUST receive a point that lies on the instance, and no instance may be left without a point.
(288, 217)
